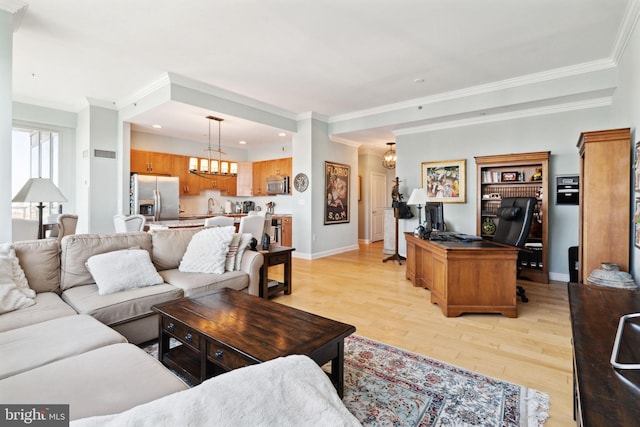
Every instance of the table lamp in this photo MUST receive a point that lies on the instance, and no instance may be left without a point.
(418, 198)
(39, 190)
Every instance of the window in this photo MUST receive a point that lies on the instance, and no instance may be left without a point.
(34, 154)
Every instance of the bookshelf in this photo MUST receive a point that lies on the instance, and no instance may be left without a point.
(516, 175)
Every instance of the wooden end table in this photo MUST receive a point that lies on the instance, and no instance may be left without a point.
(273, 256)
(229, 329)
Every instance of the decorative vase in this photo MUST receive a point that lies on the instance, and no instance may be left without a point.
(266, 240)
(488, 227)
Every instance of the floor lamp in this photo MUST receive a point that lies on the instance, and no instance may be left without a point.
(39, 190)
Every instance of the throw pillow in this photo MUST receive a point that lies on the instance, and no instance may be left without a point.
(230, 262)
(207, 251)
(20, 280)
(122, 270)
(242, 246)
(10, 297)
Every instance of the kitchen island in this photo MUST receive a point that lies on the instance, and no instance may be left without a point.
(189, 221)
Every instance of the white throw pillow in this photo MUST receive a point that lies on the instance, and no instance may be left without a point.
(207, 251)
(122, 270)
(20, 280)
(10, 297)
(242, 246)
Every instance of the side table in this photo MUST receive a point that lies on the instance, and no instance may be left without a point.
(273, 256)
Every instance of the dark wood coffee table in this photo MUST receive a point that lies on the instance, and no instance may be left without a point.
(228, 329)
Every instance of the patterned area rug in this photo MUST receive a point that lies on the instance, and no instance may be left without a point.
(388, 386)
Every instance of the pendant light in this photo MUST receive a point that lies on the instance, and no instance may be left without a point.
(389, 158)
(211, 166)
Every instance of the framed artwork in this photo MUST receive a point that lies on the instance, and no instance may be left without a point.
(636, 168)
(445, 181)
(636, 224)
(336, 179)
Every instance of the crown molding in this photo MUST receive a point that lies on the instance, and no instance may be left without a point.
(511, 115)
(312, 115)
(345, 141)
(159, 83)
(629, 21)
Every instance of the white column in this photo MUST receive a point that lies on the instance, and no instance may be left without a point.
(6, 117)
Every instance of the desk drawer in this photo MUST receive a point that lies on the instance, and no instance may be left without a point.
(227, 358)
(182, 333)
(278, 259)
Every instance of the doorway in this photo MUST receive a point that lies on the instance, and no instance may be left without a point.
(378, 204)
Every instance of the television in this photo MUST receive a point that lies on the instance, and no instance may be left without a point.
(434, 216)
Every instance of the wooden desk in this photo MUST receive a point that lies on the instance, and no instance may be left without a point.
(465, 277)
(603, 395)
(274, 256)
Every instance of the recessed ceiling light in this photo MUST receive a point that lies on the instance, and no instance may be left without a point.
(282, 134)
(418, 80)
(156, 126)
(242, 142)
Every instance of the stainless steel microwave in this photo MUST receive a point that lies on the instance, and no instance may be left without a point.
(278, 185)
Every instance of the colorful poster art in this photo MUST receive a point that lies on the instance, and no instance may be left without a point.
(336, 208)
(444, 181)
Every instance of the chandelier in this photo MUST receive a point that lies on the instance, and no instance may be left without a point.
(389, 158)
(212, 166)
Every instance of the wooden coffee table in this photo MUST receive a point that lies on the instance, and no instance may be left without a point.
(228, 329)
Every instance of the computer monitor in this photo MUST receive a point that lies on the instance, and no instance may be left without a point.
(434, 216)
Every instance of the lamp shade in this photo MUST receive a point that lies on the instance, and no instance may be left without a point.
(418, 196)
(39, 190)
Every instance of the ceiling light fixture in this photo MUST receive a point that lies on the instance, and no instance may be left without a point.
(389, 158)
(208, 167)
(156, 126)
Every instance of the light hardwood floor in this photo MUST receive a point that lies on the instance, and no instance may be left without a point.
(358, 288)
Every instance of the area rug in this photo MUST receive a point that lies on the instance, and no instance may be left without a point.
(388, 386)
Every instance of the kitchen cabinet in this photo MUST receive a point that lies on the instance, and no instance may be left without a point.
(605, 197)
(287, 231)
(266, 168)
(244, 181)
(189, 183)
(150, 162)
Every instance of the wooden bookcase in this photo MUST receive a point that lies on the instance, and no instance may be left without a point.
(517, 175)
(605, 199)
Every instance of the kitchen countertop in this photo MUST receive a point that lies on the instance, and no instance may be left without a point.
(192, 221)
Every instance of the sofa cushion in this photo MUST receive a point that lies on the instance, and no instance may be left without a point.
(40, 260)
(78, 248)
(36, 345)
(104, 381)
(121, 306)
(133, 266)
(48, 306)
(198, 283)
(169, 246)
(207, 251)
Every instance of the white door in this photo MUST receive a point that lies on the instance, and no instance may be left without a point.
(378, 202)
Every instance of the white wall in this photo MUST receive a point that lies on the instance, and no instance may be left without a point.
(6, 49)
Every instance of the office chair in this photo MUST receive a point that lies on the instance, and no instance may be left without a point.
(124, 223)
(220, 221)
(515, 215)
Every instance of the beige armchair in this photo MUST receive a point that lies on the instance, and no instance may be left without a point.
(67, 225)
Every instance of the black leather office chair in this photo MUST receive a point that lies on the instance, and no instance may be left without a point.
(514, 223)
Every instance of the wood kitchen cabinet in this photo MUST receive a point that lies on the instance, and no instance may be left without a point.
(150, 162)
(287, 231)
(244, 183)
(189, 183)
(605, 198)
(266, 168)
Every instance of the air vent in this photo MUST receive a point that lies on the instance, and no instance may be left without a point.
(104, 153)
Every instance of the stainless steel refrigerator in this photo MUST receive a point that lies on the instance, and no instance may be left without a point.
(155, 197)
